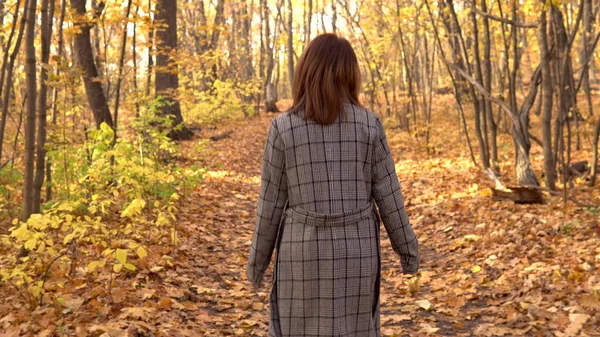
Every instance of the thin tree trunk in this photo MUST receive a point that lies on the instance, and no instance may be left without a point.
(9, 68)
(150, 49)
(290, 42)
(476, 106)
(457, 88)
(46, 37)
(487, 73)
(30, 67)
(308, 23)
(333, 16)
(134, 58)
(55, 93)
(588, 21)
(483, 113)
(120, 72)
(547, 96)
(13, 29)
(60, 51)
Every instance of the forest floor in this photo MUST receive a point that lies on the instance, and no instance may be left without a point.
(488, 268)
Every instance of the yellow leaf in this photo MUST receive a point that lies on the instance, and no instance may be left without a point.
(141, 252)
(93, 265)
(129, 266)
(476, 269)
(121, 256)
(30, 244)
(117, 267)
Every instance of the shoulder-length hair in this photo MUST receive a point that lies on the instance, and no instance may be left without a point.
(327, 75)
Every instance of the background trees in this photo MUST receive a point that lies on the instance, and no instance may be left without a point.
(524, 69)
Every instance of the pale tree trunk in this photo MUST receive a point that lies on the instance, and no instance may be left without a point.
(46, 37)
(167, 73)
(333, 16)
(55, 93)
(290, 42)
(85, 58)
(120, 71)
(31, 80)
(270, 88)
(524, 172)
(308, 22)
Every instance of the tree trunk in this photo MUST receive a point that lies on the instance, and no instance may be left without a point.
(482, 114)
(134, 58)
(120, 71)
(588, 20)
(167, 78)
(270, 91)
(594, 172)
(547, 97)
(487, 73)
(60, 48)
(31, 77)
(247, 57)
(150, 49)
(308, 23)
(46, 36)
(9, 68)
(290, 42)
(476, 106)
(85, 58)
(333, 17)
(271, 98)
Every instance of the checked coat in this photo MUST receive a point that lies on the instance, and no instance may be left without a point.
(316, 207)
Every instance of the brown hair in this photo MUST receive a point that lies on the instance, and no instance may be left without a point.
(327, 74)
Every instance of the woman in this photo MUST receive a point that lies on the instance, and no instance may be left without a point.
(325, 161)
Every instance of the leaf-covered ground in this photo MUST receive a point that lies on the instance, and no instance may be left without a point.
(488, 268)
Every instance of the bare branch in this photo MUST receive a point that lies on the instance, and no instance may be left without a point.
(504, 20)
(479, 87)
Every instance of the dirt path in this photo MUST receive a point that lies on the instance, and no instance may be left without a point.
(479, 276)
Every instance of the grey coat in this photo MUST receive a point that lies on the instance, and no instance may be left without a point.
(316, 206)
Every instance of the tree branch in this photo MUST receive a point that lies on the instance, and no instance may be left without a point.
(504, 20)
(479, 87)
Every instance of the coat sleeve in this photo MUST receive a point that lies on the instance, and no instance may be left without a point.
(271, 203)
(388, 196)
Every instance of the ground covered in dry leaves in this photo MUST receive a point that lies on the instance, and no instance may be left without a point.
(488, 268)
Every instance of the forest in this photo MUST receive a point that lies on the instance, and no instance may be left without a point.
(132, 135)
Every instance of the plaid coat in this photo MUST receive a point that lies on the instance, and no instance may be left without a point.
(316, 206)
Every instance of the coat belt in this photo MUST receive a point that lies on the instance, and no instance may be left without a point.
(330, 220)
